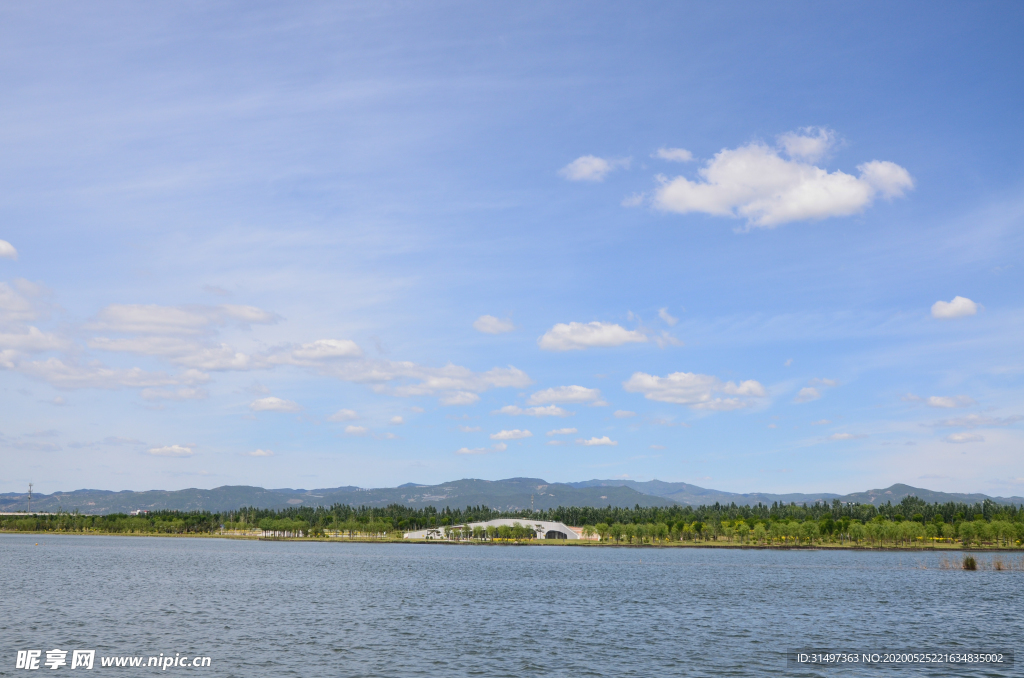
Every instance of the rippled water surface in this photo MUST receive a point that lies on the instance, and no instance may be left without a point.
(328, 609)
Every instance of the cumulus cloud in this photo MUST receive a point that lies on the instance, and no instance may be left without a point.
(273, 404)
(546, 411)
(326, 349)
(514, 434)
(965, 438)
(813, 390)
(15, 305)
(172, 451)
(949, 402)
(673, 154)
(7, 250)
(697, 391)
(976, 420)
(810, 143)
(498, 447)
(488, 324)
(32, 340)
(807, 394)
(183, 393)
(356, 430)
(603, 440)
(164, 320)
(590, 168)
(396, 420)
(846, 436)
(71, 375)
(667, 317)
(561, 432)
(959, 307)
(565, 394)
(343, 415)
(260, 453)
(757, 183)
(578, 336)
(623, 414)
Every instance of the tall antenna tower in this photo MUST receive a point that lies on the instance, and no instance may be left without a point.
(30, 497)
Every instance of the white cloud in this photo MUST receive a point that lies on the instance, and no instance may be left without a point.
(697, 391)
(396, 420)
(674, 154)
(248, 314)
(183, 393)
(561, 432)
(260, 453)
(754, 182)
(514, 434)
(603, 440)
(590, 168)
(32, 340)
(810, 143)
(657, 447)
(326, 349)
(965, 438)
(821, 422)
(565, 394)
(343, 415)
(498, 447)
(911, 398)
(65, 375)
(14, 306)
(949, 402)
(556, 442)
(154, 318)
(827, 383)
(172, 451)
(578, 336)
(356, 430)
(788, 363)
(623, 414)
(459, 398)
(273, 404)
(468, 429)
(488, 324)
(807, 394)
(7, 250)
(975, 420)
(546, 411)
(959, 307)
(667, 317)
(846, 436)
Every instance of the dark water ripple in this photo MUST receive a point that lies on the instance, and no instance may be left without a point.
(405, 610)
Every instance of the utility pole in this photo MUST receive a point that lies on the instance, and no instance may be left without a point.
(531, 503)
(30, 497)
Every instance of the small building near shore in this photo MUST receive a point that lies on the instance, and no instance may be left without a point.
(543, 529)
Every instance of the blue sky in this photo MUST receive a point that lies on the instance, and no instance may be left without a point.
(751, 247)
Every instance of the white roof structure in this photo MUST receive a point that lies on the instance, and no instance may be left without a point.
(545, 529)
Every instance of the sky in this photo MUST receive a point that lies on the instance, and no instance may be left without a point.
(748, 246)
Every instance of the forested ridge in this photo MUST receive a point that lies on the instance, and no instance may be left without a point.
(911, 520)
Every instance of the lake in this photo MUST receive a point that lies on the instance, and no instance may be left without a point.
(328, 609)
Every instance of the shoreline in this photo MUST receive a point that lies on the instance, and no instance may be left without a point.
(943, 548)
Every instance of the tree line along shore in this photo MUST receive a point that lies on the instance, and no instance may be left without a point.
(910, 523)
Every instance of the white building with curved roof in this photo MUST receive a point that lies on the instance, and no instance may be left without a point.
(543, 529)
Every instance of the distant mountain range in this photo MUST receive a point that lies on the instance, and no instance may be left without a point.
(506, 495)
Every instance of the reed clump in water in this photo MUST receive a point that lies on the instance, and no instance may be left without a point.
(970, 563)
